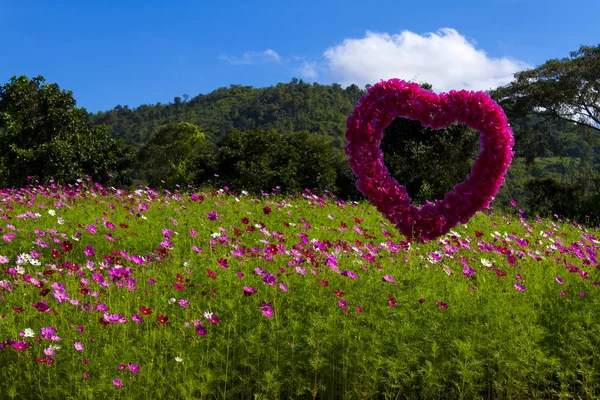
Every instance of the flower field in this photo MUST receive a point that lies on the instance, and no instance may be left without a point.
(141, 294)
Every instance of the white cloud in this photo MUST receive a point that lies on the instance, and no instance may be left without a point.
(253, 57)
(308, 70)
(445, 59)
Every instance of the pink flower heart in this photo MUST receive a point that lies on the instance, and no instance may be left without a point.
(396, 98)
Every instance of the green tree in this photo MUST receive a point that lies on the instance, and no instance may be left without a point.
(168, 155)
(45, 136)
(566, 89)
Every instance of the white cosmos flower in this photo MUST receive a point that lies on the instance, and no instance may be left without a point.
(52, 212)
(486, 263)
(28, 333)
(179, 359)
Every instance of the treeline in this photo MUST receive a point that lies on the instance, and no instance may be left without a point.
(291, 137)
(286, 107)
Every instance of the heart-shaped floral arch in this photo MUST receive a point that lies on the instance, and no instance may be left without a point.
(396, 98)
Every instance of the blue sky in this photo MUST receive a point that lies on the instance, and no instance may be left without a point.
(132, 52)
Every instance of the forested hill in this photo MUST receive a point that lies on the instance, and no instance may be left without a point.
(294, 106)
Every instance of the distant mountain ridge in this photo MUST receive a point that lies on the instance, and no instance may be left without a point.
(294, 106)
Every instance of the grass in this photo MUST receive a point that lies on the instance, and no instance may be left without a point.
(289, 297)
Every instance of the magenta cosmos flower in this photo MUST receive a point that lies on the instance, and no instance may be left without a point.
(267, 309)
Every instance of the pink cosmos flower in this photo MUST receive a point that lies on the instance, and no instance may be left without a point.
(519, 287)
(134, 368)
(78, 346)
(20, 346)
(183, 303)
(200, 330)
(9, 237)
(88, 251)
(559, 280)
(343, 304)
(267, 309)
(117, 383)
(442, 305)
(249, 290)
(388, 278)
(136, 318)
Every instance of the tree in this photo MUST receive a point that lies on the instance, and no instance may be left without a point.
(566, 89)
(43, 135)
(167, 156)
(541, 103)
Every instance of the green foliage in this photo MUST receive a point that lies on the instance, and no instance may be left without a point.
(286, 107)
(45, 136)
(264, 160)
(168, 154)
(428, 162)
(492, 341)
(566, 89)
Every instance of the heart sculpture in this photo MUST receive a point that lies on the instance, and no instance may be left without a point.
(396, 98)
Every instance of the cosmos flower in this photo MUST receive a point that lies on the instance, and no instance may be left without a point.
(267, 309)
(249, 290)
(89, 251)
(28, 332)
(20, 346)
(519, 287)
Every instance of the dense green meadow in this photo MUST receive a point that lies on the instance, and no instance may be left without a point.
(141, 294)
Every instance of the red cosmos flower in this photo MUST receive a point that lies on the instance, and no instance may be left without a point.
(323, 283)
(18, 309)
(123, 226)
(44, 292)
(267, 210)
(145, 310)
(338, 293)
(442, 305)
(179, 286)
(392, 301)
(211, 273)
(55, 253)
(102, 321)
(179, 278)
(67, 246)
(163, 319)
